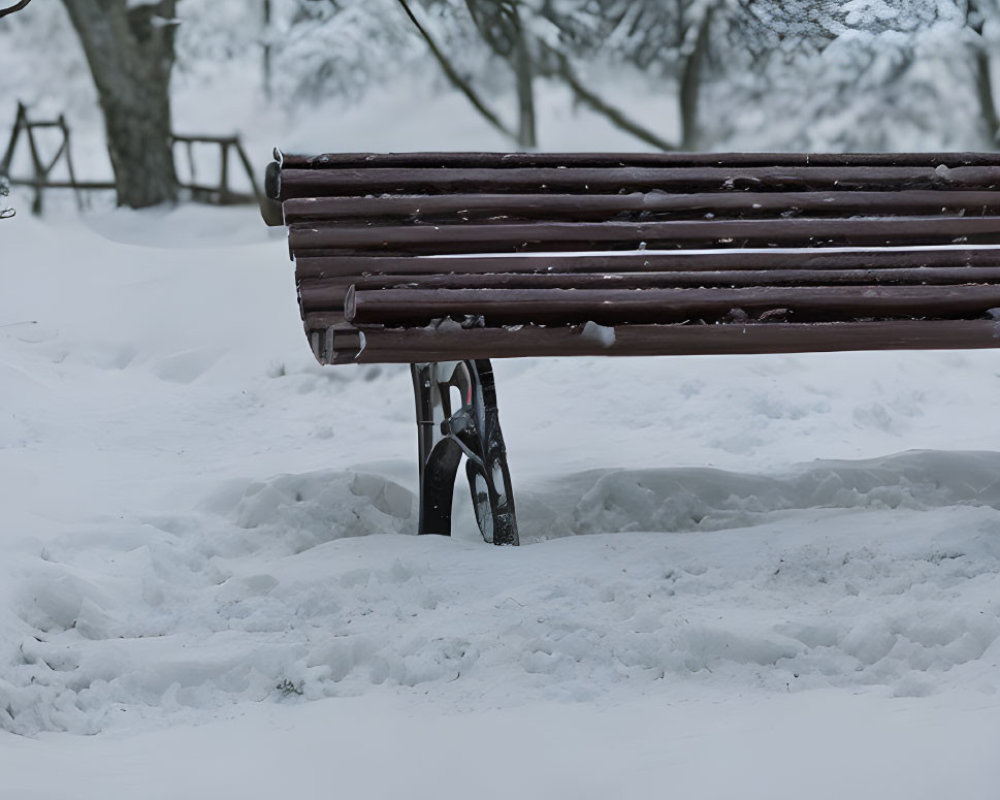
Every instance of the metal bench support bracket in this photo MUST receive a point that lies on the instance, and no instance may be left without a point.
(457, 416)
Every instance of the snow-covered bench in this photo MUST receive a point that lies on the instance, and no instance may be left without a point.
(445, 260)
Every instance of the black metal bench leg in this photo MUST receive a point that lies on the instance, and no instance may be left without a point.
(439, 456)
(457, 416)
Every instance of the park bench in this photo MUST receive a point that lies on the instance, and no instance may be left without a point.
(446, 260)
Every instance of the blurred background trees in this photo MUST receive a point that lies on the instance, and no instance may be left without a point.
(665, 74)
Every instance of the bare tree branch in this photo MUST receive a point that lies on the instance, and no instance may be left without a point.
(11, 9)
(596, 103)
(457, 80)
(503, 43)
(691, 80)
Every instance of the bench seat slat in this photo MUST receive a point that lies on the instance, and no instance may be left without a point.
(528, 237)
(583, 180)
(450, 343)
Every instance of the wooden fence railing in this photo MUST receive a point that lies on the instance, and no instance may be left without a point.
(42, 167)
(221, 194)
(199, 190)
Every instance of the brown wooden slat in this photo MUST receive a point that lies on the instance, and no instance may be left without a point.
(312, 267)
(663, 280)
(449, 343)
(539, 237)
(325, 296)
(648, 205)
(329, 294)
(584, 180)
(415, 307)
(505, 160)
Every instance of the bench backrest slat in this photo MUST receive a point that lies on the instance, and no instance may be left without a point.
(441, 343)
(310, 268)
(330, 294)
(635, 206)
(308, 238)
(507, 160)
(588, 180)
(419, 307)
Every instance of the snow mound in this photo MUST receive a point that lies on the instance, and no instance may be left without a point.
(686, 499)
(310, 586)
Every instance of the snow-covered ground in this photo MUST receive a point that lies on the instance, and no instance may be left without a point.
(773, 577)
(742, 577)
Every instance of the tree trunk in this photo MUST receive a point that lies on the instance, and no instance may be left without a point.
(131, 54)
(266, 61)
(691, 85)
(524, 68)
(984, 91)
(983, 78)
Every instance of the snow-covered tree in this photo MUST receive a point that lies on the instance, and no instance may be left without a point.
(859, 75)
(561, 40)
(501, 26)
(341, 48)
(667, 41)
(982, 19)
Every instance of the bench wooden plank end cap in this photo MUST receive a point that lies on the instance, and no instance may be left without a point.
(270, 204)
